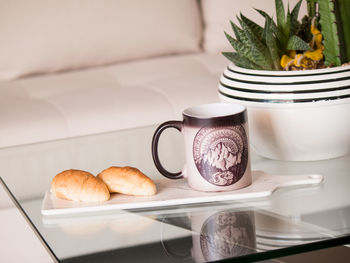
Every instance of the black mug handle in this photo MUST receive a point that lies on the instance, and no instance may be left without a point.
(169, 124)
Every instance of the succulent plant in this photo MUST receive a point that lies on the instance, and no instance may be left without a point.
(322, 39)
(262, 48)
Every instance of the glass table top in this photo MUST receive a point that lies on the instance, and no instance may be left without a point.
(291, 220)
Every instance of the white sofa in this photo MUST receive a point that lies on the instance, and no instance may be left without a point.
(72, 68)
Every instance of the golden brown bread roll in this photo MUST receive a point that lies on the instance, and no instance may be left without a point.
(79, 185)
(127, 180)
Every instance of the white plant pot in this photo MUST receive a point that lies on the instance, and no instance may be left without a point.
(295, 115)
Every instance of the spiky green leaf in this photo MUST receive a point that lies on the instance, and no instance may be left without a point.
(294, 23)
(265, 15)
(240, 61)
(232, 41)
(281, 39)
(239, 34)
(288, 24)
(245, 34)
(240, 48)
(255, 28)
(282, 24)
(258, 49)
(253, 39)
(296, 43)
(242, 35)
(280, 13)
(272, 45)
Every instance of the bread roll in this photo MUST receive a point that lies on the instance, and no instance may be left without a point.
(79, 185)
(127, 180)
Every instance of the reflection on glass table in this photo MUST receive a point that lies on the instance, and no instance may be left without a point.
(292, 220)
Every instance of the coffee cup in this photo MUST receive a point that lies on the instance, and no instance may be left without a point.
(216, 147)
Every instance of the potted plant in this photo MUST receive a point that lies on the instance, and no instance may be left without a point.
(294, 78)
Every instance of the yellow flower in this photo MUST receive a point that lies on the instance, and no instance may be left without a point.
(308, 58)
(314, 55)
(299, 61)
(314, 29)
(285, 61)
(316, 37)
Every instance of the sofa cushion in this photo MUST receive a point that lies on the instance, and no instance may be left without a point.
(217, 16)
(46, 36)
(110, 98)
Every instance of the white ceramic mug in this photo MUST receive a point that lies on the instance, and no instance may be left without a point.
(216, 147)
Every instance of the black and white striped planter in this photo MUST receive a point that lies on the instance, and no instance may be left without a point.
(293, 115)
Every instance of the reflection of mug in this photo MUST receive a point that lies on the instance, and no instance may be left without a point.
(215, 236)
(216, 147)
(225, 234)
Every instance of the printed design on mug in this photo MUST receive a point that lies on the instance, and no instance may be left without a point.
(221, 154)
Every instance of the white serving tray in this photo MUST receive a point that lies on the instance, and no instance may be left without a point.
(177, 192)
